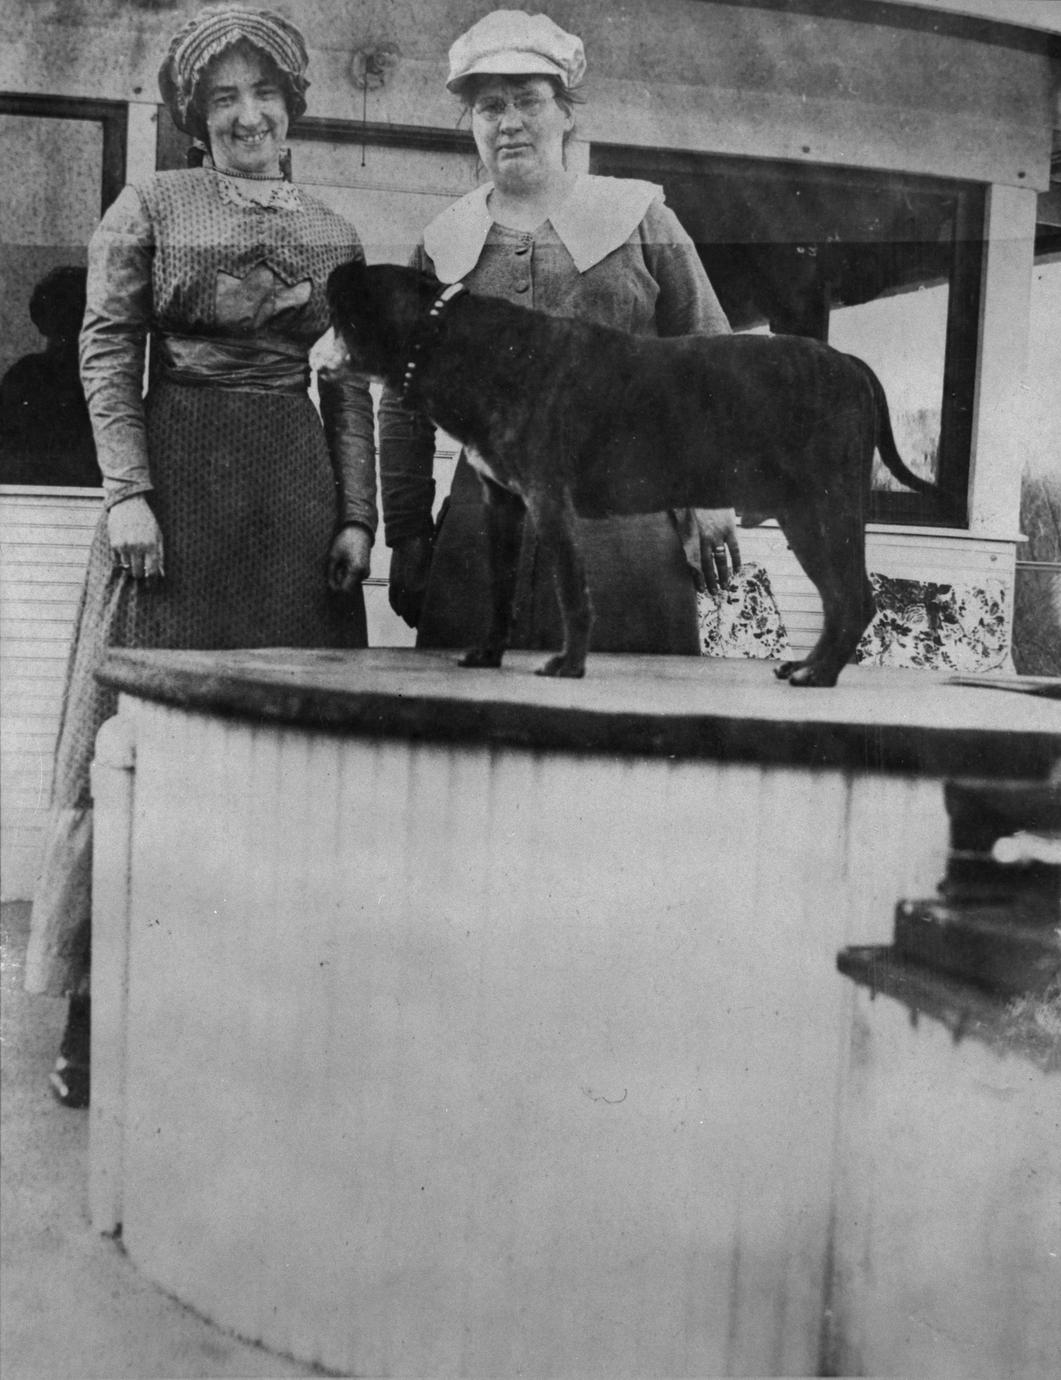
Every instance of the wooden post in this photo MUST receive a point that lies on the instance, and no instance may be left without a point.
(112, 790)
(995, 472)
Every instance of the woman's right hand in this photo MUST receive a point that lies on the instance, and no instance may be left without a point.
(136, 538)
(410, 563)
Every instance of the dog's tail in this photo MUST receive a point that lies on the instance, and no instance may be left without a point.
(885, 440)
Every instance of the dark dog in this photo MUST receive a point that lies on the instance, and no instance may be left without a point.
(562, 417)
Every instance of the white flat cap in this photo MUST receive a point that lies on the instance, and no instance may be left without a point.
(511, 43)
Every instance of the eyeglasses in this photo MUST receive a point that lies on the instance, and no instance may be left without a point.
(492, 108)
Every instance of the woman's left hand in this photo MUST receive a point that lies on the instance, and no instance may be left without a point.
(349, 559)
(709, 538)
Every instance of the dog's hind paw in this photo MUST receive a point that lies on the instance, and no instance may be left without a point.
(480, 656)
(561, 665)
(807, 673)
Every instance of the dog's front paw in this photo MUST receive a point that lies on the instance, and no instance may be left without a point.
(480, 656)
(561, 665)
(805, 673)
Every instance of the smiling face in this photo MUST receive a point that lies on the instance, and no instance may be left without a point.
(244, 107)
(519, 130)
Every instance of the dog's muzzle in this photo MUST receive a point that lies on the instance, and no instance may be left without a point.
(329, 355)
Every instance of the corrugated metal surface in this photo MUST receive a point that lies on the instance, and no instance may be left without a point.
(44, 542)
(460, 1061)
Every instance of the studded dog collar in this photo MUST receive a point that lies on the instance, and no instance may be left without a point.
(427, 334)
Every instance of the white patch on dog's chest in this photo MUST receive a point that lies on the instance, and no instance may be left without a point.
(480, 466)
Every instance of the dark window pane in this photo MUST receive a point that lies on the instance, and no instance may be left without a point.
(47, 214)
(882, 266)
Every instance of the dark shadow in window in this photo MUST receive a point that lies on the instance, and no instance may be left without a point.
(45, 433)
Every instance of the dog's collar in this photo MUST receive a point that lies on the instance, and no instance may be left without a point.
(427, 333)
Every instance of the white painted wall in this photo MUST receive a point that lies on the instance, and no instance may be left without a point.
(676, 73)
(948, 1257)
(460, 1060)
(44, 543)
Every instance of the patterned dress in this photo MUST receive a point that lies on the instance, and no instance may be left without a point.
(615, 255)
(227, 277)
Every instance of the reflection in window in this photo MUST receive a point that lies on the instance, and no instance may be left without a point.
(882, 266)
(47, 214)
(45, 432)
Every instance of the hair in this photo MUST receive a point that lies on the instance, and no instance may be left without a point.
(217, 30)
(57, 303)
(196, 117)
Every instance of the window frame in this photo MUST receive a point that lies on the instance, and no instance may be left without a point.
(172, 145)
(113, 118)
(112, 115)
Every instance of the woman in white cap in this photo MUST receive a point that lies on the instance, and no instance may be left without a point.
(232, 517)
(604, 249)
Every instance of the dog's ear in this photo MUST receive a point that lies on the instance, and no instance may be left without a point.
(345, 288)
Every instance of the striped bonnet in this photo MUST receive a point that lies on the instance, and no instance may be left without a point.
(210, 33)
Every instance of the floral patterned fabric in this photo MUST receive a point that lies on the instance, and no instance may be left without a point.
(745, 621)
(936, 627)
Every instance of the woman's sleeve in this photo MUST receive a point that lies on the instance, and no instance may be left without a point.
(687, 304)
(114, 342)
(347, 413)
(406, 460)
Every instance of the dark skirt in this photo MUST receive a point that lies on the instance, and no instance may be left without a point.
(641, 586)
(246, 499)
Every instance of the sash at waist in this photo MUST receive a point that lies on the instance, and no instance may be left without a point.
(244, 365)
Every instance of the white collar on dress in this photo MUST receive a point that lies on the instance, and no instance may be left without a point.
(599, 215)
(272, 193)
